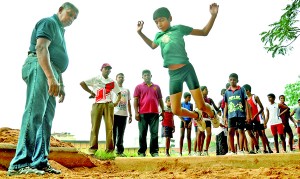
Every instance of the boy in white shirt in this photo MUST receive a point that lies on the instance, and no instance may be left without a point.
(121, 112)
(272, 116)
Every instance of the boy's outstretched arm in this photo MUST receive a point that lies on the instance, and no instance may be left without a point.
(143, 36)
(213, 8)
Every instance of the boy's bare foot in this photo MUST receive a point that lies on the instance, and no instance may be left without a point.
(200, 122)
(216, 119)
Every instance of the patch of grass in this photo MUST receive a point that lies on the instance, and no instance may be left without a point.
(131, 154)
(102, 155)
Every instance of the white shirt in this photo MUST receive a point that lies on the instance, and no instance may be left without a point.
(122, 108)
(274, 114)
(220, 129)
(103, 88)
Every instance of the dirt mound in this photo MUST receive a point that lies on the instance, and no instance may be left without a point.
(283, 165)
(63, 153)
(10, 136)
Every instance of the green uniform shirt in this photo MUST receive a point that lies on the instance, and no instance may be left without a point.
(52, 29)
(172, 45)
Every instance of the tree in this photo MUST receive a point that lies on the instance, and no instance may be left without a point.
(278, 40)
(292, 93)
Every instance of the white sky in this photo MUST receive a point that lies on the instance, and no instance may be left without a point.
(105, 31)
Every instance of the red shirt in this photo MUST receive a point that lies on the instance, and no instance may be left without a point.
(223, 104)
(168, 119)
(254, 108)
(207, 100)
(148, 97)
(285, 116)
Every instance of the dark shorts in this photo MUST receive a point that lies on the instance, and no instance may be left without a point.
(179, 76)
(287, 129)
(221, 144)
(182, 125)
(255, 126)
(208, 123)
(237, 123)
(261, 127)
(167, 131)
(196, 129)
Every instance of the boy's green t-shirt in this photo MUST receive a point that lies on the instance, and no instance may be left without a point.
(172, 45)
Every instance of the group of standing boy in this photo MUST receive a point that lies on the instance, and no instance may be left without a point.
(243, 111)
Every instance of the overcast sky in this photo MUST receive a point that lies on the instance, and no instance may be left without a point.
(105, 31)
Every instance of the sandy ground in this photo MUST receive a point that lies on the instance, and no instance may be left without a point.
(247, 166)
(284, 165)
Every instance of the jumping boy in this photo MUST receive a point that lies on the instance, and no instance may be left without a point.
(236, 108)
(168, 125)
(272, 115)
(170, 39)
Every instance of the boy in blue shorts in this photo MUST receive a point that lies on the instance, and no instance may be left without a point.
(168, 125)
(236, 108)
(170, 39)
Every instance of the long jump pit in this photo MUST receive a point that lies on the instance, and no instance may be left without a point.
(75, 164)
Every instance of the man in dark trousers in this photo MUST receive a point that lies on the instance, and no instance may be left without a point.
(147, 98)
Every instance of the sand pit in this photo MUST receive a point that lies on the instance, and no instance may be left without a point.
(284, 165)
(61, 152)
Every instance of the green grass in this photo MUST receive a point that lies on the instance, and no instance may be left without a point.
(102, 155)
(131, 154)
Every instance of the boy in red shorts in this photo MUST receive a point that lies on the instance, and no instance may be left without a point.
(272, 116)
(168, 125)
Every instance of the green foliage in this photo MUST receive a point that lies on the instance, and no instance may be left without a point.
(131, 154)
(292, 93)
(102, 155)
(284, 32)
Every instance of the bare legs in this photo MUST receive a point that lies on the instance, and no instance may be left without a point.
(199, 102)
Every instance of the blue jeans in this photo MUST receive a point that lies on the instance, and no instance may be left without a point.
(34, 139)
(151, 119)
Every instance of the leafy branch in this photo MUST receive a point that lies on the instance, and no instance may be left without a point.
(283, 33)
(292, 93)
